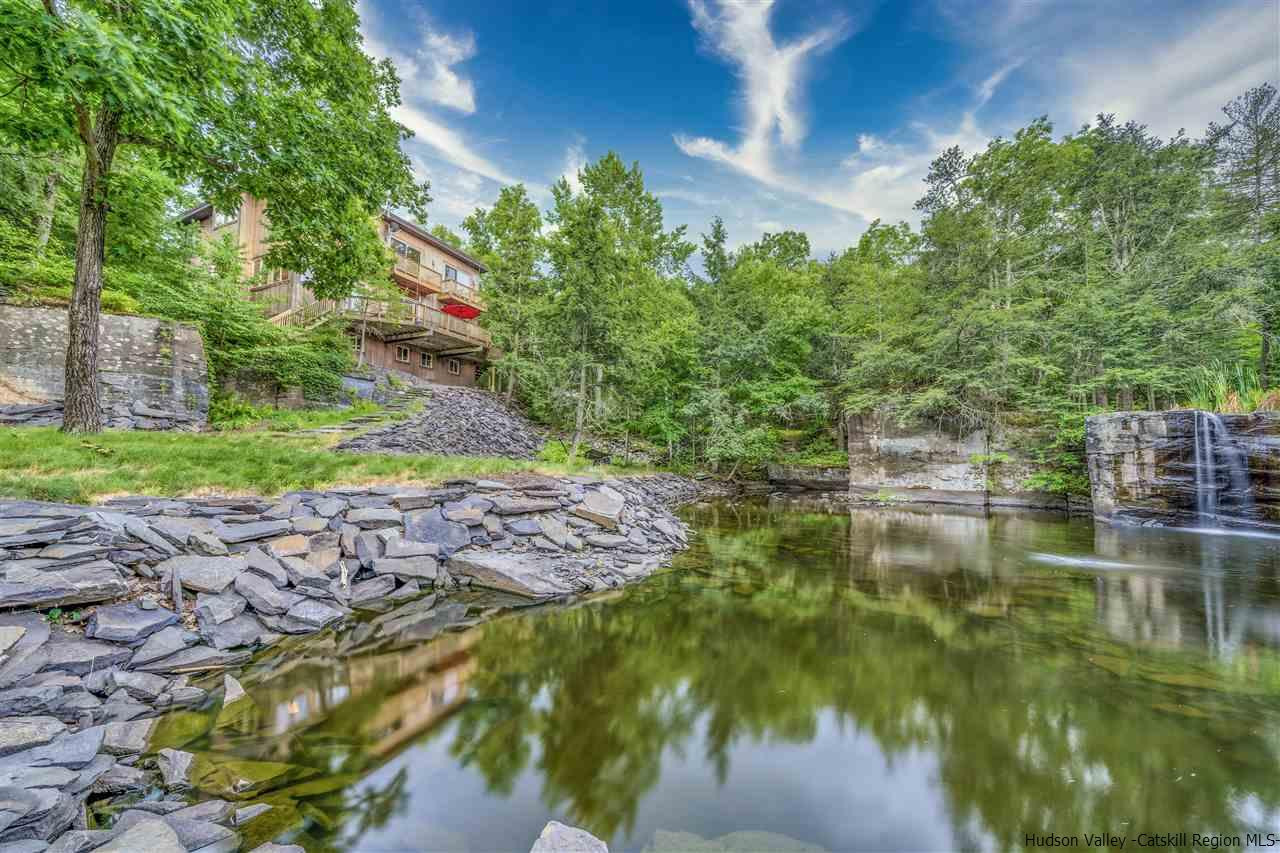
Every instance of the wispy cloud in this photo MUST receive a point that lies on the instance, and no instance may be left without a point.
(771, 75)
(449, 143)
(443, 85)
(575, 160)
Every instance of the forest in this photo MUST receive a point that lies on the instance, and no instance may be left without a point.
(1051, 275)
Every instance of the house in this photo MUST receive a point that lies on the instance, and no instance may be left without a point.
(429, 331)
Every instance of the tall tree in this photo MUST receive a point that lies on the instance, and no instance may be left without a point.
(1248, 160)
(508, 238)
(270, 97)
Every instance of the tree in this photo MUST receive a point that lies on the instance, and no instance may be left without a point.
(270, 97)
(1248, 161)
(508, 238)
(440, 232)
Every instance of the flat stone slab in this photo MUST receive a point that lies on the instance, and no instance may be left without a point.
(314, 613)
(204, 574)
(406, 568)
(233, 533)
(430, 525)
(510, 505)
(128, 738)
(602, 505)
(160, 645)
(374, 517)
(152, 835)
(87, 583)
(264, 595)
(196, 659)
(526, 575)
(127, 623)
(80, 657)
(19, 733)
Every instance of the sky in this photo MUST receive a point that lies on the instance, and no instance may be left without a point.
(815, 115)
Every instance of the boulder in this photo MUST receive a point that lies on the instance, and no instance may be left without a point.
(175, 768)
(216, 609)
(128, 738)
(314, 613)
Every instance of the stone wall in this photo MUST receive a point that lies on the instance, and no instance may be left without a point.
(808, 478)
(153, 373)
(1142, 467)
(938, 463)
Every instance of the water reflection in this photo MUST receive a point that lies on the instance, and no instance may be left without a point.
(865, 679)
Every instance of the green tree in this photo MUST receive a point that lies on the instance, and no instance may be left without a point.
(508, 238)
(272, 97)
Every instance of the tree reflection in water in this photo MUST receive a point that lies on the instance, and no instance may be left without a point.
(1052, 678)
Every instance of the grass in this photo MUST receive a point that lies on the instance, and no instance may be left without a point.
(1231, 389)
(236, 415)
(41, 463)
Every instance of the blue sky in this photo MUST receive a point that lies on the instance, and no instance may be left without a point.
(819, 115)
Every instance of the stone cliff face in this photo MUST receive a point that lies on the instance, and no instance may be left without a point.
(932, 463)
(1159, 467)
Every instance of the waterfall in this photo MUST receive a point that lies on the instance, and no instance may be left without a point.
(1213, 444)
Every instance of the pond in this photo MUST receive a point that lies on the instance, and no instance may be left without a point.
(804, 678)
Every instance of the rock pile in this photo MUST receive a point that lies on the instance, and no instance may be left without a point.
(456, 422)
(136, 415)
(77, 711)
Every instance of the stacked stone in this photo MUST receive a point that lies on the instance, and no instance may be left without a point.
(456, 421)
(77, 711)
(136, 415)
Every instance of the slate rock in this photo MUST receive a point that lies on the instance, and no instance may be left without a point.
(605, 540)
(175, 768)
(128, 738)
(232, 691)
(82, 584)
(269, 567)
(397, 546)
(510, 505)
(430, 525)
(19, 733)
(524, 527)
(152, 835)
(242, 630)
(522, 574)
(372, 590)
(288, 546)
(406, 568)
(206, 544)
(314, 613)
(80, 657)
(70, 749)
(233, 533)
(162, 644)
(215, 609)
(602, 505)
(142, 686)
(196, 659)
(204, 574)
(559, 838)
(374, 517)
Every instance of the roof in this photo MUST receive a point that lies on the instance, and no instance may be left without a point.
(202, 211)
(427, 237)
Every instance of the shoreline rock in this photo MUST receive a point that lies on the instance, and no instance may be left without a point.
(77, 710)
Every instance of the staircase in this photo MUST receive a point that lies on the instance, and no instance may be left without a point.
(405, 398)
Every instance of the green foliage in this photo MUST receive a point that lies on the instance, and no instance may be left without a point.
(40, 463)
(232, 412)
(1229, 388)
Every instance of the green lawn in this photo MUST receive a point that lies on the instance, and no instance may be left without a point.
(45, 464)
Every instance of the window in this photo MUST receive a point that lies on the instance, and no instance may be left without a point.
(404, 250)
(428, 361)
(257, 266)
(455, 367)
(402, 354)
(450, 274)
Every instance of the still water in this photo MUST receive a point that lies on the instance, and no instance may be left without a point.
(802, 679)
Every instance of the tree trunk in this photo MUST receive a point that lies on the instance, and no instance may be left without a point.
(81, 412)
(580, 417)
(511, 373)
(48, 205)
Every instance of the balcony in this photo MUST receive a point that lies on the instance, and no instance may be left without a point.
(413, 273)
(400, 320)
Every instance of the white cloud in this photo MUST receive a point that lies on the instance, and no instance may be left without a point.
(448, 143)
(575, 160)
(1181, 81)
(771, 76)
(441, 84)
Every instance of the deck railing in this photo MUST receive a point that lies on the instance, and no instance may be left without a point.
(410, 312)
